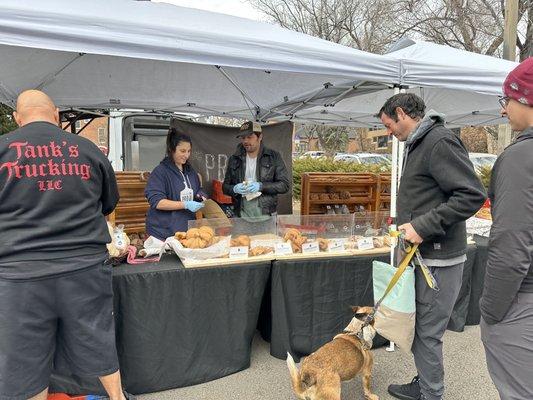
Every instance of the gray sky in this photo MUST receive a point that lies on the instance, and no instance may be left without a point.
(239, 8)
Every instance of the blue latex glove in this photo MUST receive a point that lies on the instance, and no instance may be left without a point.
(239, 188)
(193, 206)
(254, 187)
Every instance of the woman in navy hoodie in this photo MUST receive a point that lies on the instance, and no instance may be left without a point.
(173, 190)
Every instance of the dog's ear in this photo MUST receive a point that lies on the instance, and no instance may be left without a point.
(308, 380)
(355, 308)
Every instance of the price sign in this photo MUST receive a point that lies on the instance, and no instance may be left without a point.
(238, 252)
(310, 248)
(366, 243)
(335, 245)
(283, 249)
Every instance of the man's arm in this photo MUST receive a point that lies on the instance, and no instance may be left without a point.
(228, 184)
(455, 175)
(511, 238)
(110, 195)
(280, 183)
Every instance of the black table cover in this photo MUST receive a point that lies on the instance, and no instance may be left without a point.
(460, 311)
(478, 279)
(311, 300)
(178, 327)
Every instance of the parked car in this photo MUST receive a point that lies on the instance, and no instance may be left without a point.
(362, 158)
(481, 160)
(314, 154)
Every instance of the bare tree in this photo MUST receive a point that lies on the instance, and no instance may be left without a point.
(373, 25)
(473, 25)
(366, 25)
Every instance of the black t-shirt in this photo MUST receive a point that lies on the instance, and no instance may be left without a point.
(55, 188)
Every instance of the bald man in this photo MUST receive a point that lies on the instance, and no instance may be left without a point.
(55, 289)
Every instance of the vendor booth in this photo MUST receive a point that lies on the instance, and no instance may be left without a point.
(185, 322)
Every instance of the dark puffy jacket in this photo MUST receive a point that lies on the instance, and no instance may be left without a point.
(510, 259)
(271, 172)
(439, 191)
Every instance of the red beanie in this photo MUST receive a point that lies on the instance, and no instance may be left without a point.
(519, 83)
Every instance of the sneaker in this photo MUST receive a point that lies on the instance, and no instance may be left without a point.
(409, 391)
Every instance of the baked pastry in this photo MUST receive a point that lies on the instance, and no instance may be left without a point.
(378, 241)
(180, 235)
(314, 196)
(387, 240)
(322, 244)
(345, 195)
(193, 233)
(261, 250)
(241, 240)
(334, 196)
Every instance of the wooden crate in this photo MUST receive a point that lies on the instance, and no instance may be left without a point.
(384, 190)
(316, 186)
(132, 207)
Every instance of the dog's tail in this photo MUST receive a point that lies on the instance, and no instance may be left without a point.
(295, 376)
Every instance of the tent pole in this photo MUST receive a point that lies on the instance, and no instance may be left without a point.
(243, 93)
(394, 187)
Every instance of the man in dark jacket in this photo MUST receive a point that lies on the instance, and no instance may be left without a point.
(256, 175)
(55, 290)
(507, 300)
(439, 190)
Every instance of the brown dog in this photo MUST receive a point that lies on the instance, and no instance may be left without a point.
(321, 373)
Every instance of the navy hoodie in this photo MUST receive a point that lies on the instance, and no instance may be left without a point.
(166, 182)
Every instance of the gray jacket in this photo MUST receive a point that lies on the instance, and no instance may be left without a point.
(439, 189)
(510, 259)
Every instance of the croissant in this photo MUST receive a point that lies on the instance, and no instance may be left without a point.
(291, 234)
(193, 233)
(206, 235)
(241, 240)
(180, 235)
(207, 230)
(387, 240)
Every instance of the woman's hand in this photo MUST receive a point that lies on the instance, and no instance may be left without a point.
(193, 206)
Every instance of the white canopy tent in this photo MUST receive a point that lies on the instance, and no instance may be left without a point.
(154, 56)
(463, 85)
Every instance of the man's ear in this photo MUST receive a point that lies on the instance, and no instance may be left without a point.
(17, 118)
(400, 113)
(56, 117)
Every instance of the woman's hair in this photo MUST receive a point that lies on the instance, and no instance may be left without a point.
(174, 139)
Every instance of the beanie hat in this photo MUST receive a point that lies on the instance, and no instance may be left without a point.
(519, 83)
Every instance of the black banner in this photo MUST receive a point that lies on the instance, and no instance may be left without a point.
(214, 144)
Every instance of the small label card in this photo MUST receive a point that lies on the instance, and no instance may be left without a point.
(336, 245)
(283, 249)
(238, 252)
(310, 248)
(366, 243)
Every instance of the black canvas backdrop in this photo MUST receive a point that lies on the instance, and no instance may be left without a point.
(214, 144)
